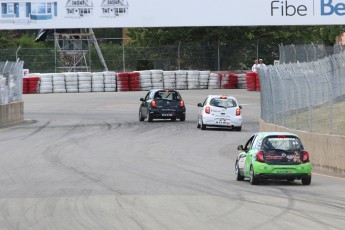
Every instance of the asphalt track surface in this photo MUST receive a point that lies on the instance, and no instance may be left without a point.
(85, 162)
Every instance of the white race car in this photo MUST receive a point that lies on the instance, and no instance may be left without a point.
(220, 111)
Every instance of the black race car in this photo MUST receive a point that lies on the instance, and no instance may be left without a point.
(162, 104)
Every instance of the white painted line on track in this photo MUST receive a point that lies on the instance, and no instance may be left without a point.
(334, 177)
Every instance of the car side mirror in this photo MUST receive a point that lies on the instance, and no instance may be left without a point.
(142, 99)
(240, 147)
(240, 106)
(199, 105)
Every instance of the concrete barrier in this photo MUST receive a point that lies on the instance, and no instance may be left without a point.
(11, 114)
(326, 151)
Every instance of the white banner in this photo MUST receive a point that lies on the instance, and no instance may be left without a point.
(59, 14)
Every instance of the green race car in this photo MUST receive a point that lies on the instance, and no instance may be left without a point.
(273, 155)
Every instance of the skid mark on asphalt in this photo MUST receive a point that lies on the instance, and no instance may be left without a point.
(36, 131)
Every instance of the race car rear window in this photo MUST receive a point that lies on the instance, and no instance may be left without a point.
(282, 143)
(223, 102)
(168, 95)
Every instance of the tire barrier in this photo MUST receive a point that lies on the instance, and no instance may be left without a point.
(144, 80)
(157, 79)
(214, 81)
(59, 83)
(181, 80)
(84, 82)
(134, 81)
(193, 80)
(169, 80)
(97, 82)
(233, 81)
(109, 81)
(228, 81)
(31, 84)
(25, 84)
(251, 81)
(123, 81)
(257, 83)
(241, 81)
(46, 83)
(71, 82)
(204, 77)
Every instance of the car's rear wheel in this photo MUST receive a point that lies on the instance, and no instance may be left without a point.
(150, 117)
(306, 180)
(141, 118)
(203, 127)
(198, 124)
(252, 178)
(183, 118)
(238, 175)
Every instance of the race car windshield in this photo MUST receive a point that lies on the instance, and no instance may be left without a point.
(223, 102)
(282, 143)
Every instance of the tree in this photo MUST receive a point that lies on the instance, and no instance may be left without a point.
(6, 39)
(242, 42)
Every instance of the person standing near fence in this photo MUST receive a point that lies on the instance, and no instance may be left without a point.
(255, 66)
(261, 64)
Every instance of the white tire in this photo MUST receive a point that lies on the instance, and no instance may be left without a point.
(45, 91)
(110, 85)
(72, 90)
(84, 90)
(97, 85)
(97, 90)
(59, 90)
(156, 71)
(109, 89)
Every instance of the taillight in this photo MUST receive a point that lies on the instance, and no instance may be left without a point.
(305, 156)
(238, 112)
(181, 103)
(153, 104)
(260, 156)
(207, 109)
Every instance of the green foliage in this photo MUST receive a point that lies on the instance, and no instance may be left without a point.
(28, 41)
(234, 42)
(6, 39)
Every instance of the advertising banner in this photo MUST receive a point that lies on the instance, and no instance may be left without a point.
(64, 14)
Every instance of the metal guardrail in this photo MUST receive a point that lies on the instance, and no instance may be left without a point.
(11, 88)
(307, 96)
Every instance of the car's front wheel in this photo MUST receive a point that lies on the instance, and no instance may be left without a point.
(252, 178)
(238, 175)
(183, 118)
(306, 180)
(141, 118)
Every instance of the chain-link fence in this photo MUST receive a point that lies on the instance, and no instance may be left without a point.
(11, 75)
(213, 56)
(306, 96)
(306, 53)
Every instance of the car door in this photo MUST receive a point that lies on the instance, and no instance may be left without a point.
(201, 110)
(248, 148)
(144, 105)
